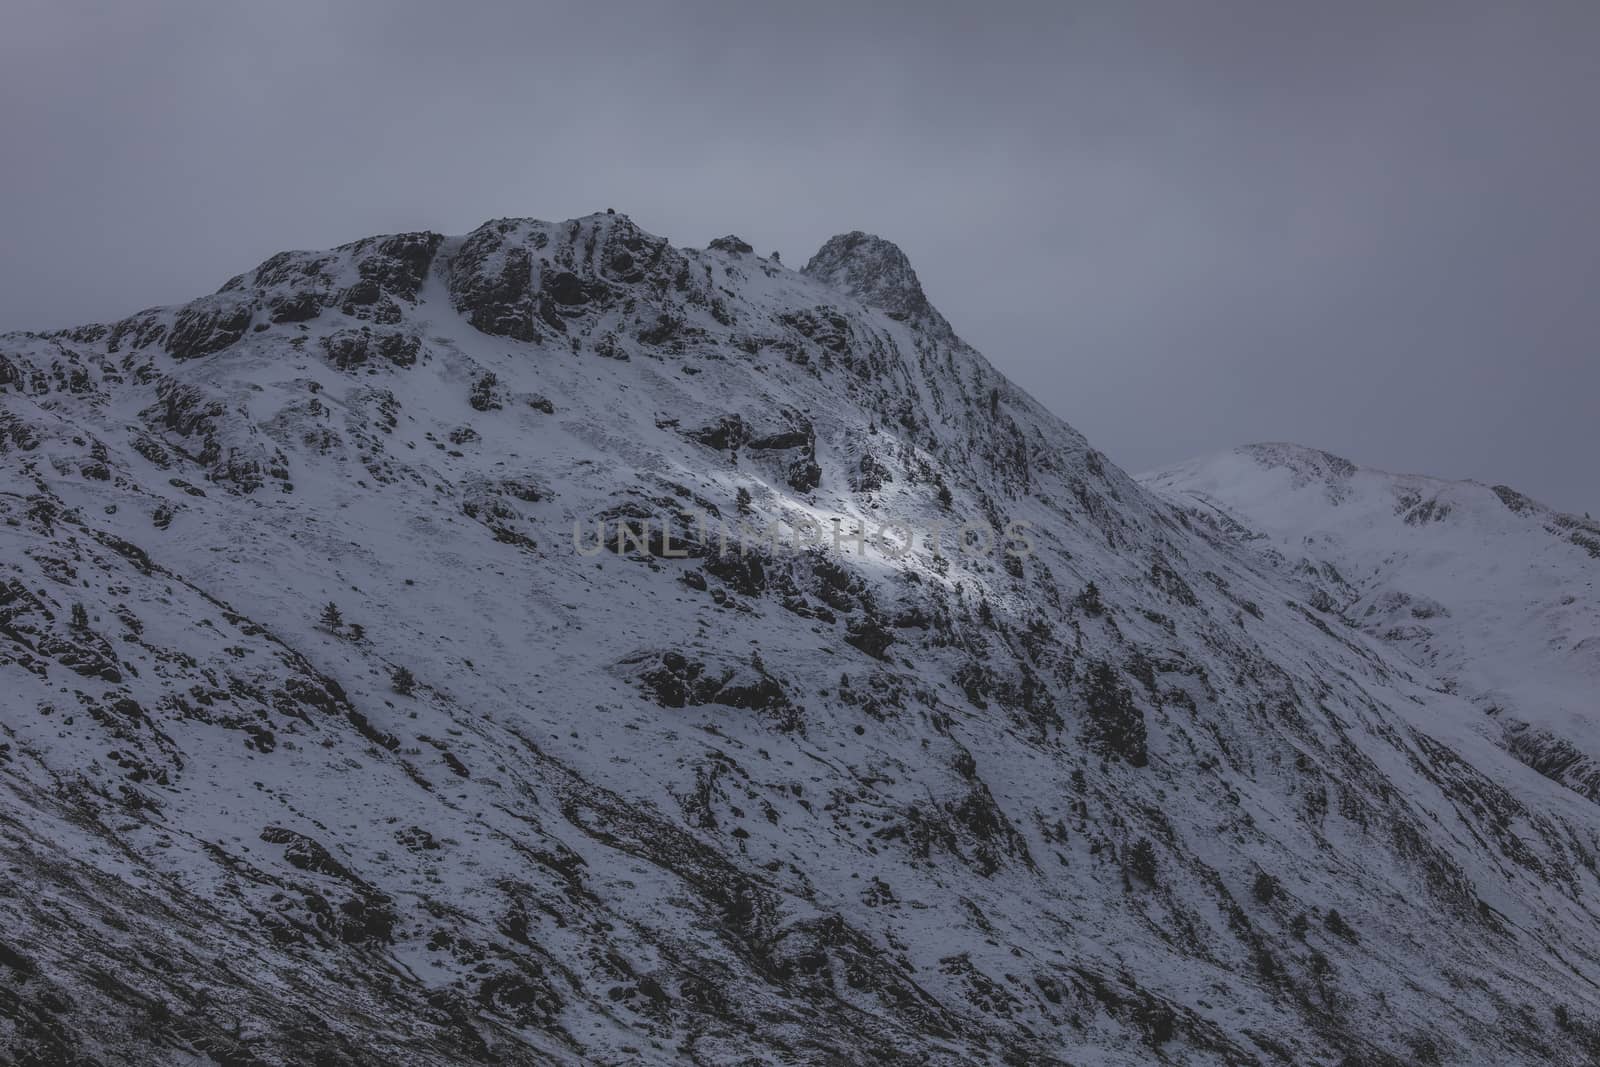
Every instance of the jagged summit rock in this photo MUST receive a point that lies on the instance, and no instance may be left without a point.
(876, 272)
(1146, 787)
(732, 244)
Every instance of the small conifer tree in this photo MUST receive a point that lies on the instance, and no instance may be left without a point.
(404, 682)
(1337, 926)
(1265, 889)
(1142, 861)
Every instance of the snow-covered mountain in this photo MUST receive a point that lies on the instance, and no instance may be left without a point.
(1106, 785)
(1488, 590)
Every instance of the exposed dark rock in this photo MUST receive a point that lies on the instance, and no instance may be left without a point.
(565, 289)
(297, 307)
(306, 854)
(398, 264)
(206, 327)
(727, 432)
(491, 282)
(803, 475)
(871, 474)
(876, 272)
(870, 636)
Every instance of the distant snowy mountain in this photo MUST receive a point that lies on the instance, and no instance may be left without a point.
(1480, 586)
(375, 688)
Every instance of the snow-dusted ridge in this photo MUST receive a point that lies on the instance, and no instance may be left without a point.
(1141, 796)
(1480, 585)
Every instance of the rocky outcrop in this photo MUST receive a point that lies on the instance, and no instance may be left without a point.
(877, 273)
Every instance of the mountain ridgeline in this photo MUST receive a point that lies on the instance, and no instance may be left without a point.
(369, 695)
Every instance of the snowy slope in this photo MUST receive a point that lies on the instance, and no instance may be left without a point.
(1131, 797)
(1490, 591)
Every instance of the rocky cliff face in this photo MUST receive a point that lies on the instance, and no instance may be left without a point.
(1041, 768)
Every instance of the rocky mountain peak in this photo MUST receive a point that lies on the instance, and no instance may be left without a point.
(874, 271)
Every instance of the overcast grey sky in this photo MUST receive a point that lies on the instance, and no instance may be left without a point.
(1369, 227)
